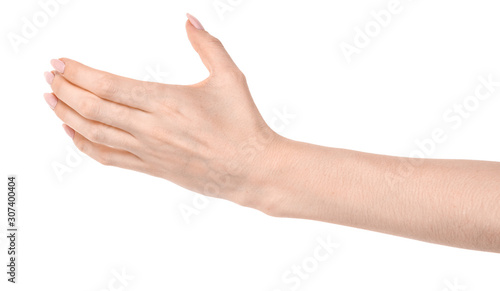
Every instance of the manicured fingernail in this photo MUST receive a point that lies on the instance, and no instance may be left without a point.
(69, 131)
(51, 99)
(195, 22)
(58, 65)
(49, 77)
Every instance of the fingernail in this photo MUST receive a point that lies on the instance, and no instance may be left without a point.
(51, 99)
(69, 131)
(195, 22)
(58, 65)
(49, 77)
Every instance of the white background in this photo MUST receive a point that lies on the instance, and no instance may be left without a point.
(75, 232)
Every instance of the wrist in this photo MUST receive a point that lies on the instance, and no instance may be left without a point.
(276, 177)
(301, 180)
(257, 164)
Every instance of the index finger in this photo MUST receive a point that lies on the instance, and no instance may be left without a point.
(122, 90)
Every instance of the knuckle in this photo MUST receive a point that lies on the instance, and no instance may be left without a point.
(138, 93)
(170, 99)
(62, 113)
(112, 113)
(234, 75)
(106, 85)
(215, 41)
(159, 134)
(104, 159)
(96, 134)
(82, 145)
(121, 113)
(89, 108)
(68, 66)
(56, 83)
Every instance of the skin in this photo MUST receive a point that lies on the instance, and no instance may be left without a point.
(210, 138)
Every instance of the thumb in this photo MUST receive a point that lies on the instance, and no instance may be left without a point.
(212, 53)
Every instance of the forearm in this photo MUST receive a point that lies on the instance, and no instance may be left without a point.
(451, 202)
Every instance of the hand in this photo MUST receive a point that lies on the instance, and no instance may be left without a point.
(208, 137)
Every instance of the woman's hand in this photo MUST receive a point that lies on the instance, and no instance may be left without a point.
(208, 137)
